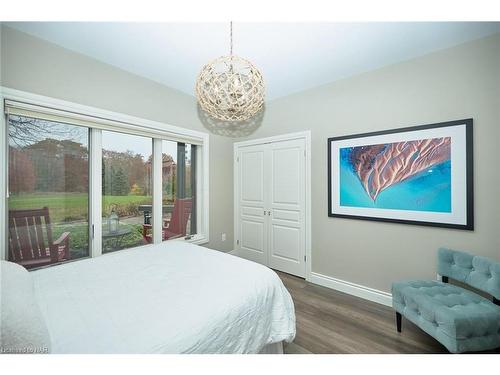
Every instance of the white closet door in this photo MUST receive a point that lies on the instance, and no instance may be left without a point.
(285, 177)
(252, 221)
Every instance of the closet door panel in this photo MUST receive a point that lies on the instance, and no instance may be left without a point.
(286, 242)
(253, 228)
(286, 176)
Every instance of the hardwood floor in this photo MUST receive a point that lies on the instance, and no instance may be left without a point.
(332, 322)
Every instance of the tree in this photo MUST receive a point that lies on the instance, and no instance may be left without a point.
(120, 183)
(137, 169)
(24, 131)
(21, 172)
(49, 165)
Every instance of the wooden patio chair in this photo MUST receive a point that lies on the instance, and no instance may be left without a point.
(30, 239)
(176, 226)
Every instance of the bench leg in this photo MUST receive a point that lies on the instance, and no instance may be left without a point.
(398, 321)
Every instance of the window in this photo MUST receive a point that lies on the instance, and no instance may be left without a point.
(82, 182)
(126, 190)
(178, 190)
(48, 191)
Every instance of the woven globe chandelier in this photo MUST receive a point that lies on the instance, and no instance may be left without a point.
(230, 88)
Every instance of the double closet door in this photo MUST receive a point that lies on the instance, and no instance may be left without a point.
(270, 204)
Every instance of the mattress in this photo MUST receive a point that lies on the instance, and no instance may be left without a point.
(174, 297)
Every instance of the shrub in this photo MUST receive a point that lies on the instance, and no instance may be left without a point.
(127, 209)
(136, 190)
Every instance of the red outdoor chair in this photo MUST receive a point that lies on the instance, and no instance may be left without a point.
(30, 239)
(176, 226)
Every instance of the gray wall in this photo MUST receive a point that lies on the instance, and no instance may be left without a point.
(33, 65)
(460, 82)
(451, 84)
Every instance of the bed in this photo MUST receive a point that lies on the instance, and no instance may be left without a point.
(174, 297)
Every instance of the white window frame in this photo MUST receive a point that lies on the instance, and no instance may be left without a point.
(119, 122)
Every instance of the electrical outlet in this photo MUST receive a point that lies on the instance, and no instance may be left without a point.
(223, 237)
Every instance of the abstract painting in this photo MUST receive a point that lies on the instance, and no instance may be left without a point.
(419, 175)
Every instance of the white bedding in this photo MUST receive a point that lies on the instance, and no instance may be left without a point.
(169, 298)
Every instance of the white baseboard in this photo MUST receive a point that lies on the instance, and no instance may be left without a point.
(357, 290)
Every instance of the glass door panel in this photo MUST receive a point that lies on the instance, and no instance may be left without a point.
(48, 191)
(178, 190)
(126, 191)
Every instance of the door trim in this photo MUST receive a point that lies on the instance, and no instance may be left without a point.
(306, 135)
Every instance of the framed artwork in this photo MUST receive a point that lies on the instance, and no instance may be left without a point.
(416, 175)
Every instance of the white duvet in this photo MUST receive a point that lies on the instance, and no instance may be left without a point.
(169, 298)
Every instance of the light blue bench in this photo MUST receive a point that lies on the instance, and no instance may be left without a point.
(459, 319)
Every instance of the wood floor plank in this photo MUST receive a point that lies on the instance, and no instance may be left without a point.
(333, 322)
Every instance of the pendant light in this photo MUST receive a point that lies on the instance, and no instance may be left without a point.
(230, 88)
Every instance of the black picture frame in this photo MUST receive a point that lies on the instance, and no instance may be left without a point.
(469, 173)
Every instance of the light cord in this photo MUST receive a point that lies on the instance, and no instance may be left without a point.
(231, 38)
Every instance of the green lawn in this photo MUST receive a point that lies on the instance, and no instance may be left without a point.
(66, 207)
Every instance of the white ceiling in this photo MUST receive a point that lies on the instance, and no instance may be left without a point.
(292, 56)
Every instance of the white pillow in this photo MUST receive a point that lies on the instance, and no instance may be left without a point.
(22, 327)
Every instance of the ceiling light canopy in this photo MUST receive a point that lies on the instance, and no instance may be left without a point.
(230, 88)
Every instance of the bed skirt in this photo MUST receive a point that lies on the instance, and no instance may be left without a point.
(276, 348)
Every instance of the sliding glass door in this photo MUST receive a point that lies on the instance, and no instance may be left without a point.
(48, 191)
(126, 190)
(79, 186)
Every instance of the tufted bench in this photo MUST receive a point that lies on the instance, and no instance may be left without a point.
(459, 319)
